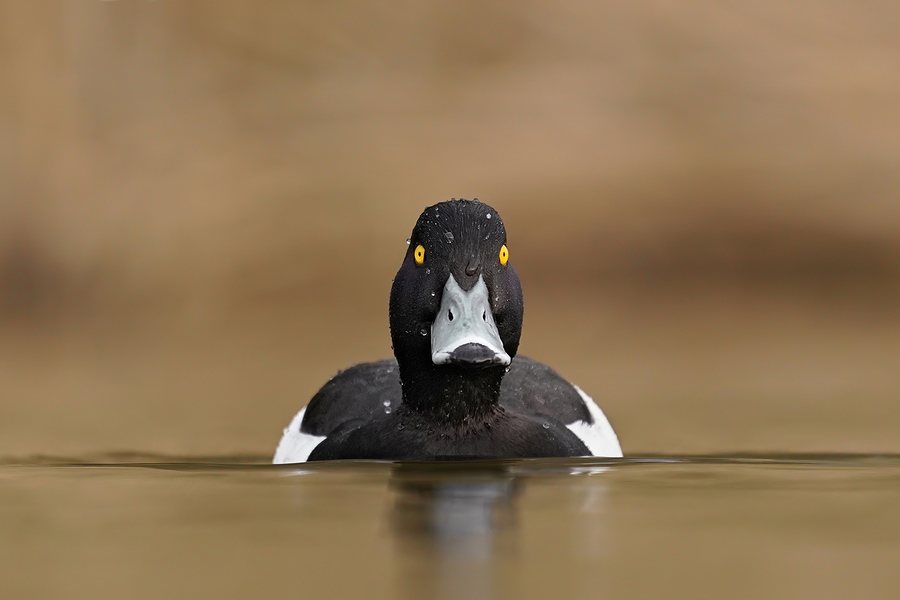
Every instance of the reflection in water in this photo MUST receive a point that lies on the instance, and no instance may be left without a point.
(455, 506)
(448, 519)
(452, 521)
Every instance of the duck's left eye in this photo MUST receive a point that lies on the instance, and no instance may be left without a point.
(504, 255)
(419, 254)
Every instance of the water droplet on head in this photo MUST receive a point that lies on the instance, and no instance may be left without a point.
(545, 425)
(387, 403)
(432, 294)
(387, 410)
(449, 236)
(407, 241)
(489, 215)
(423, 332)
(427, 271)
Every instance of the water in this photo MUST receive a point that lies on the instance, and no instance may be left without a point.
(786, 526)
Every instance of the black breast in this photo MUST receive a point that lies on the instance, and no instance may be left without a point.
(369, 392)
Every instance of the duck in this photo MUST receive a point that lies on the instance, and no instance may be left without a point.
(456, 388)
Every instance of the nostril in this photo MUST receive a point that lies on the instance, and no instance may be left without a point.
(450, 315)
(484, 316)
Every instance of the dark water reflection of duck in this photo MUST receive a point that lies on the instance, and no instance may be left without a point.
(450, 521)
(454, 523)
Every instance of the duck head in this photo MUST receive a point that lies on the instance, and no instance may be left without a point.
(456, 303)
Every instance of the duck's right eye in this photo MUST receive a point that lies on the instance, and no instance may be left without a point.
(419, 254)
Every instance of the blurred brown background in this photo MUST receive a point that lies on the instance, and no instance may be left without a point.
(202, 205)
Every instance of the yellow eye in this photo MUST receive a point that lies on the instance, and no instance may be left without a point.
(504, 255)
(419, 254)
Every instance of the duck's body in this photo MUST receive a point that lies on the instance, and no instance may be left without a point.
(455, 389)
(370, 393)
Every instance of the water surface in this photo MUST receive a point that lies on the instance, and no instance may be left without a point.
(787, 526)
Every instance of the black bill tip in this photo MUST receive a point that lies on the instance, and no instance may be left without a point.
(474, 355)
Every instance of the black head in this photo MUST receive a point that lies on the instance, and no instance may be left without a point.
(457, 252)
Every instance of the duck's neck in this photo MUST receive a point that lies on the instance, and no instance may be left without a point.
(453, 395)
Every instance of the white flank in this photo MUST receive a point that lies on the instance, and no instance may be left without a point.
(296, 446)
(598, 436)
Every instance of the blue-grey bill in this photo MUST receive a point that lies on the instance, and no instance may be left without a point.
(465, 331)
